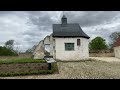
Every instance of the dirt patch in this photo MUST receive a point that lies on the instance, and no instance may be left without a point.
(25, 67)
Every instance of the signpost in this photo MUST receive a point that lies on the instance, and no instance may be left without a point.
(49, 60)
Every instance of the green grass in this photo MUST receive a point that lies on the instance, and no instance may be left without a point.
(34, 72)
(21, 60)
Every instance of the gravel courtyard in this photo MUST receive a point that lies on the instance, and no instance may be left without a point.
(93, 69)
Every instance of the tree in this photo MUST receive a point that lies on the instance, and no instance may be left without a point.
(98, 43)
(9, 44)
(31, 50)
(113, 37)
(7, 52)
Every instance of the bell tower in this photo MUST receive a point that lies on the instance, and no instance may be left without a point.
(63, 20)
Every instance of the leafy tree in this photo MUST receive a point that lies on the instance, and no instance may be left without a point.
(7, 52)
(98, 43)
(9, 44)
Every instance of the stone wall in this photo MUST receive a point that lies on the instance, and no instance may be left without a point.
(21, 55)
(101, 54)
(117, 51)
(25, 55)
(39, 51)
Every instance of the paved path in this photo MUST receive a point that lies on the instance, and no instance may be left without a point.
(108, 59)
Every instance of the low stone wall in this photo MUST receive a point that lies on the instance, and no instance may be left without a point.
(101, 54)
(21, 55)
(23, 67)
(25, 55)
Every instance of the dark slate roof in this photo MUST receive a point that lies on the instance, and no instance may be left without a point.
(68, 30)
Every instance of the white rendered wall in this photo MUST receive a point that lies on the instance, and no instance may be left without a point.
(80, 52)
(117, 51)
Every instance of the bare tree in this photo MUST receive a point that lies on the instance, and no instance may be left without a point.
(31, 50)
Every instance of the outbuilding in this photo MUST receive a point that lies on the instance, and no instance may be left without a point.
(68, 42)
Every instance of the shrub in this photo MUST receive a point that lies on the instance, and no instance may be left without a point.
(7, 52)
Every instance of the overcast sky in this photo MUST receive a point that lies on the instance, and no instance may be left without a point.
(27, 28)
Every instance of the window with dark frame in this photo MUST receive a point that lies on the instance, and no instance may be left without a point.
(53, 47)
(78, 42)
(69, 46)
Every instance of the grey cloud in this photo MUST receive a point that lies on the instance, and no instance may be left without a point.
(90, 18)
(40, 19)
(32, 33)
(39, 24)
(6, 12)
(84, 18)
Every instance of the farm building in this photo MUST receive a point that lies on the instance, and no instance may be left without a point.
(116, 47)
(67, 42)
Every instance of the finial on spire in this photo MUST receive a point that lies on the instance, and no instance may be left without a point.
(64, 19)
(63, 13)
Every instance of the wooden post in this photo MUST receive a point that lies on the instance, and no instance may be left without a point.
(49, 66)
